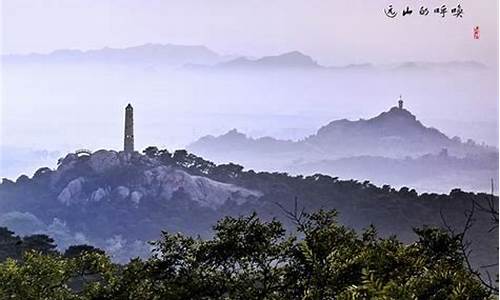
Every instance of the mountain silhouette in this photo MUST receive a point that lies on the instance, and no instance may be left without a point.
(395, 133)
(196, 57)
(147, 54)
(394, 143)
(294, 59)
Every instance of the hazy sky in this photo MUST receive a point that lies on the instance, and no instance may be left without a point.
(332, 31)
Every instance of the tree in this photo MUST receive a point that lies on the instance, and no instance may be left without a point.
(165, 157)
(488, 207)
(180, 157)
(151, 151)
(226, 172)
(9, 244)
(248, 258)
(78, 250)
(39, 242)
(40, 276)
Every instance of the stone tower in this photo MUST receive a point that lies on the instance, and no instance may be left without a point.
(129, 129)
(400, 102)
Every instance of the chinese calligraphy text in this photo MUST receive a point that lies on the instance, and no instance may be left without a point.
(441, 11)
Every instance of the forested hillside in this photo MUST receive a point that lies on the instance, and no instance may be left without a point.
(119, 202)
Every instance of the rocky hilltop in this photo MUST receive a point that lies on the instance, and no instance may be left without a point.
(119, 201)
(111, 197)
(153, 180)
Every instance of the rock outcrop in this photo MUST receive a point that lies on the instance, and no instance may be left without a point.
(139, 177)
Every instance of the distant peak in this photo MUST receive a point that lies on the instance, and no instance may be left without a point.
(293, 59)
(294, 54)
(147, 54)
(233, 131)
(395, 110)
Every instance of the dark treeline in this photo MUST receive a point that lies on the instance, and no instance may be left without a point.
(15, 247)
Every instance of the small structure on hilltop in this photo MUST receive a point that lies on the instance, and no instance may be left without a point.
(128, 143)
(81, 152)
(400, 102)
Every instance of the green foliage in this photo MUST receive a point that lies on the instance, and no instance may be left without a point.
(39, 242)
(77, 250)
(52, 277)
(250, 259)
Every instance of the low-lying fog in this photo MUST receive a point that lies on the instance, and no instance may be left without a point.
(64, 107)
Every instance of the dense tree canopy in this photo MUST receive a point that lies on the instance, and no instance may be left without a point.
(248, 258)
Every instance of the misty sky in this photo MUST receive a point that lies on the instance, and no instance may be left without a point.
(332, 31)
(174, 108)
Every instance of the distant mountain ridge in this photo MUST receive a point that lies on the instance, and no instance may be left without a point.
(395, 133)
(153, 54)
(201, 56)
(464, 65)
(393, 145)
(293, 59)
(430, 172)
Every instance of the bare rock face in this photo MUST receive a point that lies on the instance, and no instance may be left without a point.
(72, 192)
(103, 160)
(206, 192)
(135, 178)
(136, 197)
(122, 192)
(98, 195)
(213, 193)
